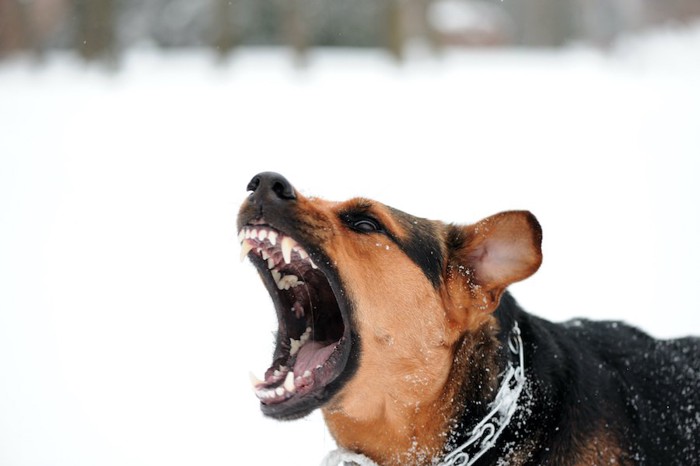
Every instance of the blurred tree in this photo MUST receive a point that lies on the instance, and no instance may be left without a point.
(95, 29)
(426, 27)
(100, 28)
(543, 23)
(295, 29)
(395, 28)
(226, 35)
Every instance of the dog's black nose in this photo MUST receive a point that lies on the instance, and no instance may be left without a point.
(271, 183)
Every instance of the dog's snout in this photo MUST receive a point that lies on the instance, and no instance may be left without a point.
(270, 184)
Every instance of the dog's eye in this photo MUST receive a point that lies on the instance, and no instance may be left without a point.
(363, 224)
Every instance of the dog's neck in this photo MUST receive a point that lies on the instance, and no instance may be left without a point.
(483, 436)
(416, 433)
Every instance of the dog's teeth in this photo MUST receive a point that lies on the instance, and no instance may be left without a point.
(254, 381)
(265, 255)
(265, 393)
(272, 236)
(282, 283)
(305, 337)
(294, 346)
(292, 280)
(307, 374)
(241, 236)
(247, 233)
(276, 276)
(254, 233)
(246, 247)
(262, 234)
(287, 244)
(312, 264)
(289, 281)
(270, 263)
(303, 254)
(289, 382)
(279, 391)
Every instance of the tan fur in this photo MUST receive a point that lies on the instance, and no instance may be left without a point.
(389, 407)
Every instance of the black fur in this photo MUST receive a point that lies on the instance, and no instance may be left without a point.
(421, 245)
(596, 379)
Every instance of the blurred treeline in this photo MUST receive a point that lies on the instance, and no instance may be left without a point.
(104, 28)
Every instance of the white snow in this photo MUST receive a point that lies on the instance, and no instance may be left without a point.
(127, 324)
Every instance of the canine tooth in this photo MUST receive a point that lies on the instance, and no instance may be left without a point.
(246, 247)
(270, 263)
(254, 381)
(287, 244)
(262, 234)
(302, 253)
(265, 255)
(312, 263)
(279, 391)
(289, 382)
(272, 236)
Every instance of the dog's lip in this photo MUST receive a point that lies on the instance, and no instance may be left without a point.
(284, 393)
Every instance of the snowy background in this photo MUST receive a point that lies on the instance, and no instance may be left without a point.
(128, 325)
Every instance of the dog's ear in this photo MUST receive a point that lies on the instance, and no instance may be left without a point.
(484, 258)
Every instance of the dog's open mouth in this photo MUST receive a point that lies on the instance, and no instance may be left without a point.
(313, 338)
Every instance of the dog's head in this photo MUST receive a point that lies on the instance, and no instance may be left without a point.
(371, 301)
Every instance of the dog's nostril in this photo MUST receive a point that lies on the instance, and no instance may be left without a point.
(254, 183)
(283, 189)
(264, 183)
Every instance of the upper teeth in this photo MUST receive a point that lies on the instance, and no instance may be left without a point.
(264, 241)
(287, 244)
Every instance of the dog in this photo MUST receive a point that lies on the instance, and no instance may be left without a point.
(402, 331)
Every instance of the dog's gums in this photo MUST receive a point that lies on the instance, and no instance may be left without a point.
(311, 344)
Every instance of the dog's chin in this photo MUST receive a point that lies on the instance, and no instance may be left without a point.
(315, 347)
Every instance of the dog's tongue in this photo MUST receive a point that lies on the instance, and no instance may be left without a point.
(312, 355)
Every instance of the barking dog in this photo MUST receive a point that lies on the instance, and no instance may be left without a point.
(401, 330)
